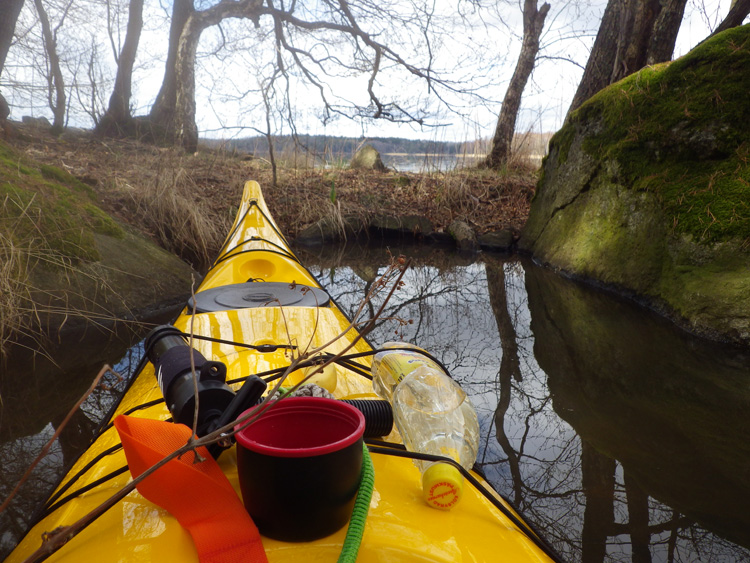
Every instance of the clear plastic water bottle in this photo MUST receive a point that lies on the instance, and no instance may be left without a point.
(397, 361)
(433, 415)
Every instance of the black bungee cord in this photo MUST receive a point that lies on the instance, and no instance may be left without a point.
(346, 361)
(399, 450)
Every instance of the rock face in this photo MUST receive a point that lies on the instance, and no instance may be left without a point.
(367, 158)
(646, 189)
(466, 239)
(132, 279)
(74, 263)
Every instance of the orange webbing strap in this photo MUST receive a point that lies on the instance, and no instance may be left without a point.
(197, 494)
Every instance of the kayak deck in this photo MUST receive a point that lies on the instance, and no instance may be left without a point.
(400, 526)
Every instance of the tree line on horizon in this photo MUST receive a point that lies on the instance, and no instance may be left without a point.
(336, 146)
(306, 48)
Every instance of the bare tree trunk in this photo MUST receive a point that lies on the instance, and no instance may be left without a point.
(633, 33)
(636, 24)
(118, 118)
(666, 28)
(55, 77)
(10, 10)
(599, 67)
(162, 112)
(269, 132)
(185, 131)
(533, 23)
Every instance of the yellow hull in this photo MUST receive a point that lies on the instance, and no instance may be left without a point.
(400, 526)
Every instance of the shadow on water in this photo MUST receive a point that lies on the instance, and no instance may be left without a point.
(618, 436)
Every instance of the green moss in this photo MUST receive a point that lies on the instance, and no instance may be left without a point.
(679, 130)
(401, 181)
(563, 139)
(46, 208)
(66, 178)
(101, 222)
(10, 163)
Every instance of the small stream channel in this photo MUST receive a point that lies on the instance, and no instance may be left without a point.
(617, 435)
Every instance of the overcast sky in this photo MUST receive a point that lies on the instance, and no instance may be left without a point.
(481, 56)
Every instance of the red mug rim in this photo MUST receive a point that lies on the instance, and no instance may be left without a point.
(303, 405)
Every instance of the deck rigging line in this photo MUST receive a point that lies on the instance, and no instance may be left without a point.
(347, 361)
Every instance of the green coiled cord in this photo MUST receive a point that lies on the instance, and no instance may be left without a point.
(356, 529)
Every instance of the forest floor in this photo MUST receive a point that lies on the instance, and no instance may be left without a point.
(145, 186)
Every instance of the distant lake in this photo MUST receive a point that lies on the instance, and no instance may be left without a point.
(405, 162)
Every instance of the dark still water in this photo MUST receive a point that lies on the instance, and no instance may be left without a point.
(617, 436)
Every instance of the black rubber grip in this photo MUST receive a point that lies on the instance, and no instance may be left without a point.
(378, 416)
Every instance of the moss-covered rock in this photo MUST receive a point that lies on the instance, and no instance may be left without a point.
(367, 158)
(71, 258)
(647, 189)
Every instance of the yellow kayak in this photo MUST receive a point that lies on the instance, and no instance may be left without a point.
(399, 525)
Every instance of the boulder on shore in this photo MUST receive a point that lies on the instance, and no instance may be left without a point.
(645, 190)
(67, 262)
(464, 235)
(367, 158)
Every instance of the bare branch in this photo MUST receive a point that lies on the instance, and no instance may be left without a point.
(54, 437)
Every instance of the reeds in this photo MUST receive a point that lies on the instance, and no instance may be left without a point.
(13, 288)
(24, 246)
(172, 206)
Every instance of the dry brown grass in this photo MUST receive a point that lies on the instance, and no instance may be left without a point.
(171, 206)
(485, 199)
(186, 202)
(13, 280)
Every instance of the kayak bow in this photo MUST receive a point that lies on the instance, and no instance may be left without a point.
(250, 309)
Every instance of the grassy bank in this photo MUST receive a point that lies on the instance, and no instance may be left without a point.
(48, 219)
(186, 203)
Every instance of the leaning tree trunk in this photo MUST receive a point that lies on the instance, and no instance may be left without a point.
(533, 23)
(185, 130)
(635, 30)
(737, 14)
(118, 119)
(633, 33)
(601, 61)
(162, 112)
(666, 28)
(55, 78)
(10, 10)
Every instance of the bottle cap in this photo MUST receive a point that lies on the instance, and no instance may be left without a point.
(442, 486)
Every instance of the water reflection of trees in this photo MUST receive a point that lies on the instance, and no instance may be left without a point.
(35, 402)
(666, 406)
(477, 319)
(563, 441)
